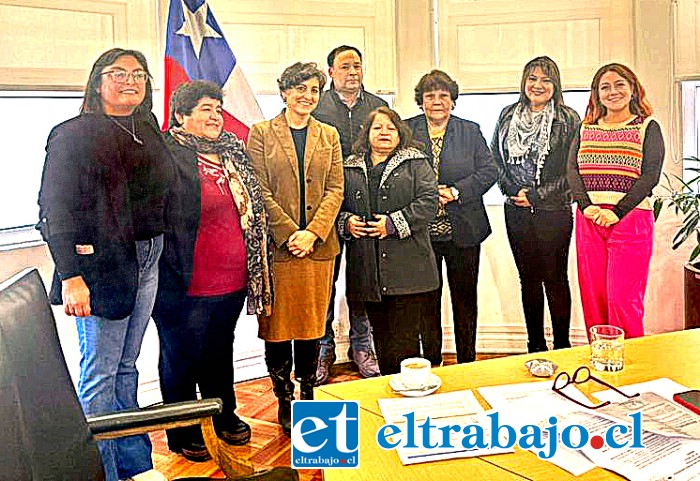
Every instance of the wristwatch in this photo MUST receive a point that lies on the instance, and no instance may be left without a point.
(455, 193)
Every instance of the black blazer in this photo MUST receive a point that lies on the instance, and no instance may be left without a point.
(182, 217)
(466, 164)
(552, 192)
(84, 201)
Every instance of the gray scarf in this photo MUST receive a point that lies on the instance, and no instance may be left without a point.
(528, 135)
(251, 209)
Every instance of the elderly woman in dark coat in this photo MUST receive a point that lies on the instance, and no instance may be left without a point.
(465, 171)
(215, 255)
(390, 199)
(530, 146)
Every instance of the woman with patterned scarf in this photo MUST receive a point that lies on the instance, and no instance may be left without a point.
(530, 146)
(216, 253)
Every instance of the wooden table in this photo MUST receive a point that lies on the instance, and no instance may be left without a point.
(673, 355)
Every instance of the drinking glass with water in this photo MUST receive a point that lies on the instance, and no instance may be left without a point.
(607, 348)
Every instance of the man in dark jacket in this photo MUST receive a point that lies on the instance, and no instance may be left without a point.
(346, 106)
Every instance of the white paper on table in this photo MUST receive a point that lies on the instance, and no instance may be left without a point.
(452, 408)
(659, 415)
(664, 387)
(444, 405)
(502, 397)
(534, 403)
(662, 458)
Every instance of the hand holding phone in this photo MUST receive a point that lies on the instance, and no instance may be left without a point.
(357, 226)
(689, 399)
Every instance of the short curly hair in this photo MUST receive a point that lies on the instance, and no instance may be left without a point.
(436, 80)
(187, 96)
(299, 73)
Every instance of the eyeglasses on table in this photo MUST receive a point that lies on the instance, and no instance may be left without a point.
(580, 376)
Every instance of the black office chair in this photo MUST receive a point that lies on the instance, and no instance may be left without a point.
(45, 435)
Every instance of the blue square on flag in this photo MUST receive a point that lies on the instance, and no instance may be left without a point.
(325, 434)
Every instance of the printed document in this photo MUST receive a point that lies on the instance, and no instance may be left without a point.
(453, 408)
(534, 403)
(662, 458)
(659, 415)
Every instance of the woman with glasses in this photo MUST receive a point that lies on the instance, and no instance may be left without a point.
(299, 165)
(101, 213)
(531, 146)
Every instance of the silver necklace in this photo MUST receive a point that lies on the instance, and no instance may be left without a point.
(131, 132)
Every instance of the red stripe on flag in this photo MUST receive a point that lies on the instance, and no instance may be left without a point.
(174, 76)
(232, 124)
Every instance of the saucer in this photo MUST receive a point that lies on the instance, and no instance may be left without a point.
(396, 385)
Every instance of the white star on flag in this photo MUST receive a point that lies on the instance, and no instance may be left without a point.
(196, 27)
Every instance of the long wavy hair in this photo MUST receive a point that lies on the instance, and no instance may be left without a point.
(92, 103)
(550, 69)
(639, 104)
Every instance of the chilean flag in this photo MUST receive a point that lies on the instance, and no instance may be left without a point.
(195, 49)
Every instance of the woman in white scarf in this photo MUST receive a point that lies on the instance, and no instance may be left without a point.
(530, 146)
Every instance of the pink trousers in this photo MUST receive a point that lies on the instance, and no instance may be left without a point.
(613, 268)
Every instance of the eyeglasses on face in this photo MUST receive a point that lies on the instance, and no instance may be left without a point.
(580, 376)
(121, 76)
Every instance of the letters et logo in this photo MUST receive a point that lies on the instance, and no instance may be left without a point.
(325, 434)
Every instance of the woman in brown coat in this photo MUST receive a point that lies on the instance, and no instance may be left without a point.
(299, 165)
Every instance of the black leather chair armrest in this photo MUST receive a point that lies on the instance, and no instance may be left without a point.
(140, 421)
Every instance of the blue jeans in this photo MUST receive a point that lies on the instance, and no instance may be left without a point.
(360, 331)
(108, 375)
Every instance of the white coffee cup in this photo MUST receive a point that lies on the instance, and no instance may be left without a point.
(415, 372)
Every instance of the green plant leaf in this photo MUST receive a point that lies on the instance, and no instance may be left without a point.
(694, 255)
(685, 185)
(658, 205)
(680, 238)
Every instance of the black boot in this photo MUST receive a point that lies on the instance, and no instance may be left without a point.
(278, 357)
(305, 365)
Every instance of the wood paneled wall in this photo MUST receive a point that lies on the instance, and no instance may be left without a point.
(687, 40)
(266, 36)
(51, 44)
(487, 42)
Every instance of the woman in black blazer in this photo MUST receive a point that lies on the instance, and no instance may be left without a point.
(465, 171)
(101, 213)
